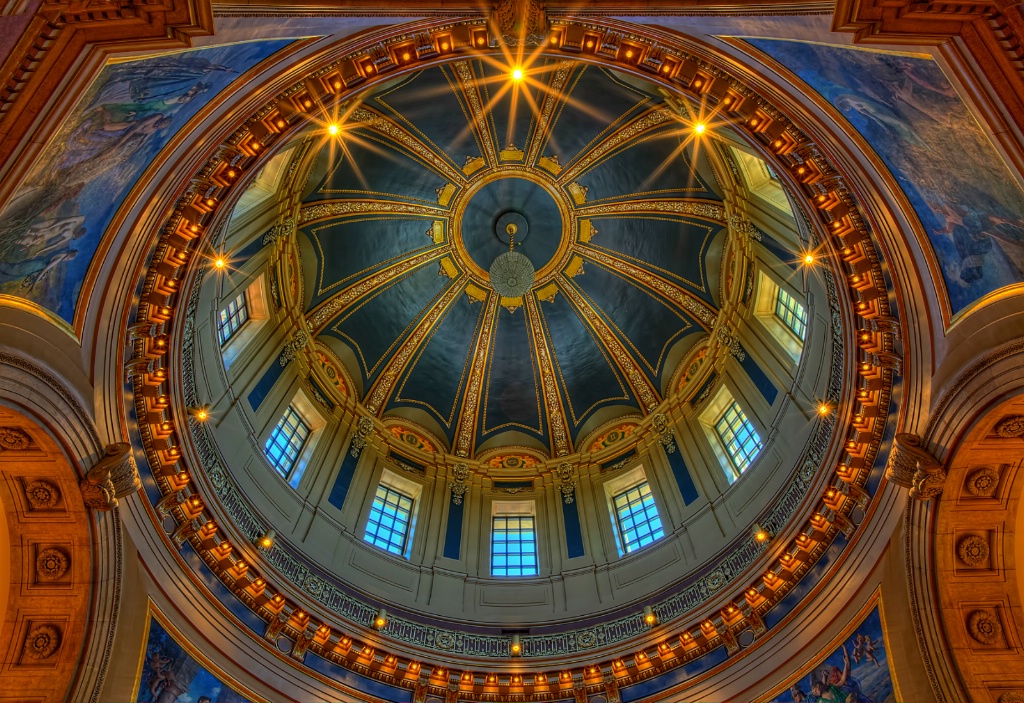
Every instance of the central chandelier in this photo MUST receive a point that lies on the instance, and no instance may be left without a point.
(512, 274)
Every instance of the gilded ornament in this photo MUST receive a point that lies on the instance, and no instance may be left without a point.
(459, 479)
(52, 563)
(972, 550)
(983, 482)
(42, 494)
(41, 642)
(715, 580)
(1011, 697)
(14, 439)
(567, 481)
(984, 627)
(586, 639)
(1012, 426)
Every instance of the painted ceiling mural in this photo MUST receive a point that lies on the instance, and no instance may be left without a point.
(404, 212)
(858, 670)
(53, 224)
(966, 199)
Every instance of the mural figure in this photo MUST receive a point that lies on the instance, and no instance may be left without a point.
(856, 672)
(52, 225)
(171, 675)
(966, 199)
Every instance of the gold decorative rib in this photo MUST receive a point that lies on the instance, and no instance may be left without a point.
(552, 400)
(705, 209)
(552, 96)
(643, 389)
(647, 121)
(382, 125)
(465, 431)
(318, 318)
(322, 210)
(694, 306)
(467, 84)
(382, 387)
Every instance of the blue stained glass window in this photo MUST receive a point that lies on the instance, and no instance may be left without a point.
(739, 437)
(513, 546)
(390, 518)
(791, 312)
(232, 318)
(285, 443)
(637, 517)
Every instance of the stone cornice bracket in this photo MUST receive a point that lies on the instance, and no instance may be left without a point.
(459, 478)
(913, 467)
(567, 481)
(520, 21)
(114, 476)
(364, 426)
(666, 435)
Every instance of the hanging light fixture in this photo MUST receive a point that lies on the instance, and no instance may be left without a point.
(512, 274)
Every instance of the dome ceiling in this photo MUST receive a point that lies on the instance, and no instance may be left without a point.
(613, 203)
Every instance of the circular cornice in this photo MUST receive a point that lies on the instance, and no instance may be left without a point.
(843, 459)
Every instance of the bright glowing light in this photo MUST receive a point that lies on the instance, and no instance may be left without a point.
(823, 409)
(332, 129)
(517, 74)
(219, 262)
(808, 258)
(699, 128)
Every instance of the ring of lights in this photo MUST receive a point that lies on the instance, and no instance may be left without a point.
(734, 607)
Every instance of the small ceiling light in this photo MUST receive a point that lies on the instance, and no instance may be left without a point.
(650, 619)
(202, 414)
(517, 74)
(760, 534)
(219, 262)
(267, 540)
(823, 409)
(808, 258)
(699, 128)
(512, 274)
(381, 620)
(332, 129)
(516, 647)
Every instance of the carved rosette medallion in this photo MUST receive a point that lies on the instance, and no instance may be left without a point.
(14, 439)
(42, 494)
(972, 550)
(41, 642)
(984, 627)
(52, 563)
(983, 482)
(1011, 697)
(1012, 426)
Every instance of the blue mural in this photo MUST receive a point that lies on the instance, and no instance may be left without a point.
(967, 201)
(53, 224)
(172, 675)
(856, 672)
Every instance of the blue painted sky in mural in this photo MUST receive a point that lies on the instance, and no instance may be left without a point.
(856, 672)
(169, 673)
(965, 197)
(52, 226)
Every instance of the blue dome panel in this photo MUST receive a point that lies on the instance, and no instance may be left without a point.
(643, 321)
(349, 249)
(438, 373)
(425, 102)
(586, 373)
(673, 247)
(365, 165)
(512, 394)
(378, 324)
(598, 102)
(651, 166)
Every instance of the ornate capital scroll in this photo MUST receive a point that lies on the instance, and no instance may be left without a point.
(913, 467)
(114, 476)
